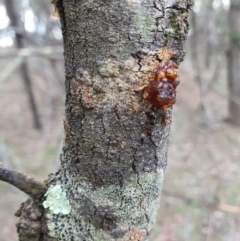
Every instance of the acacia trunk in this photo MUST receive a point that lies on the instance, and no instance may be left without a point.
(115, 147)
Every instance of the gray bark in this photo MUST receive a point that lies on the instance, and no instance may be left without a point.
(233, 63)
(115, 147)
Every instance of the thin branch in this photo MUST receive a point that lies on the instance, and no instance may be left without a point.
(221, 206)
(5, 73)
(215, 74)
(233, 98)
(26, 52)
(20, 30)
(184, 198)
(26, 184)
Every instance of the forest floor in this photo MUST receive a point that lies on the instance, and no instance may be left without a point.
(200, 199)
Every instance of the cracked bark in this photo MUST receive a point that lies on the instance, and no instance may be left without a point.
(115, 150)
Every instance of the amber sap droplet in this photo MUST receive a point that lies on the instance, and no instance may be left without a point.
(159, 75)
(161, 92)
(175, 83)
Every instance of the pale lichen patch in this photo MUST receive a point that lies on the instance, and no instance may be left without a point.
(57, 201)
(134, 2)
(143, 23)
(109, 68)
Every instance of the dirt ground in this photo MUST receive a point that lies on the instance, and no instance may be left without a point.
(203, 163)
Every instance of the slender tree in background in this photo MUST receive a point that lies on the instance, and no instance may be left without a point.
(15, 22)
(233, 60)
(115, 146)
(207, 32)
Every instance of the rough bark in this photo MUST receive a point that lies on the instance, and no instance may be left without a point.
(233, 63)
(115, 150)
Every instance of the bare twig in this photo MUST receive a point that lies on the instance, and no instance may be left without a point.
(20, 30)
(26, 52)
(228, 208)
(220, 206)
(214, 77)
(233, 97)
(26, 184)
(5, 73)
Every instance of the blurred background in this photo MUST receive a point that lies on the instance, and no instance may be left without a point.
(200, 198)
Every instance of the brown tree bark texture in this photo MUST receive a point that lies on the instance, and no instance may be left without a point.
(115, 147)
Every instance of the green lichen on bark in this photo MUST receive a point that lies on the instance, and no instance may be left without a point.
(144, 23)
(56, 200)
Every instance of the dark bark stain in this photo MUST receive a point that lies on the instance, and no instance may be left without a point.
(100, 217)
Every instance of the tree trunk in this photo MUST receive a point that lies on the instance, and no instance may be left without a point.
(233, 63)
(115, 147)
(207, 34)
(195, 58)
